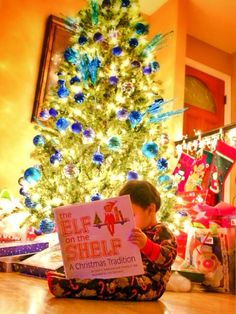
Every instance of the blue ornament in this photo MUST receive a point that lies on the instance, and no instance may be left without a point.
(46, 225)
(149, 149)
(93, 66)
(56, 157)
(38, 232)
(132, 175)
(62, 92)
(140, 28)
(116, 51)
(134, 118)
(61, 124)
(113, 80)
(23, 192)
(29, 203)
(135, 64)
(165, 182)
(70, 55)
(162, 164)
(53, 112)
(182, 213)
(133, 42)
(95, 197)
(147, 70)
(74, 80)
(122, 114)
(38, 140)
(98, 158)
(76, 127)
(88, 134)
(61, 82)
(79, 98)
(82, 40)
(125, 3)
(44, 115)
(155, 66)
(32, 175)
(113, 143)
(98, 37)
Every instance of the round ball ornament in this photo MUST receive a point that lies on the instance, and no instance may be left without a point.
(53, 112)
(134, 118)
(38, 140)
(147, 70)
(116, 51)
(155, 66)
(97, 158)
(44, 115)
(113, 80)
(82, 40)
(141, 28)
(32, 175)
(133, 42)
(62, 124)
(74, 79)
(125, 3)
(135, 64)
(165, 182)
(95, 197)
(114, 143)
(79, 98)
(162, 164)
(122, 114)
(62, 92)
(128, 87)
(98, 37)
(76, 127)
(88, 134)
(29, 203)
(46, 226)
(149, 149)
(23, 192)
(71, 171)
(132, 175)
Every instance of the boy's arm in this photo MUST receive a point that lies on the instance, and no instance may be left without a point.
(162, 253)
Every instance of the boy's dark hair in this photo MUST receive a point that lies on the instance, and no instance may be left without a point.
(142, 193)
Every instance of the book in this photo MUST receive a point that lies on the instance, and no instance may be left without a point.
(40, 263)
(94, 239)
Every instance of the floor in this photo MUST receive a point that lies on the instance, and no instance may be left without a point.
(20, 294)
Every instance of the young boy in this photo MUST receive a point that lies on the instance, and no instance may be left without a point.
(156, 243)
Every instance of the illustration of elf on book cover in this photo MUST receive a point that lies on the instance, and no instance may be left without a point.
(94, 239)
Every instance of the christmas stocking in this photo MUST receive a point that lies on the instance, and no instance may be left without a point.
(223, 160)
(205, 179)
(199, 167)
(183, 170)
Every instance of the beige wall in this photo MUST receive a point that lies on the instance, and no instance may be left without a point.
(22, 31)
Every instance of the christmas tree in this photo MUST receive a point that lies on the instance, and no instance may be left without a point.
(102, 123)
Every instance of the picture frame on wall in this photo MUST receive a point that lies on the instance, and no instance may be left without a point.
(56, 39)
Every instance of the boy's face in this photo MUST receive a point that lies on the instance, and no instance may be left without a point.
(142, 217)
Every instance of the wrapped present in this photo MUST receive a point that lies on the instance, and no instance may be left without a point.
(9, 263)
(213, 254)
(19, 248)
(39, 264)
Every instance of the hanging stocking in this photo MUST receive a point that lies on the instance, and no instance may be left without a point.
(223, 160)
(205, 179)
(199, 167)
(182, 171)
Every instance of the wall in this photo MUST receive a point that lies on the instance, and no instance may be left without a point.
(172, 17)
(22, 32)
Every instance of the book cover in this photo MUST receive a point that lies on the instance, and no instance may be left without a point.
(94, 239)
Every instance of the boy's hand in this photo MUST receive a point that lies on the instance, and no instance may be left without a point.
(138, 237)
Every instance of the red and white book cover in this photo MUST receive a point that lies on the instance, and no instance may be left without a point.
(94, 239)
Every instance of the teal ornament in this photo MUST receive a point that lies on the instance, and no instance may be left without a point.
(62, 124)
(38, 140)
(93, 66)
(70, 55)
(32, 175)
(157, 40)
(166, 115)
(149, 149)
(141, 28)
(94, 11)
(165, 182)
(46, 225)
(114, 143)
(155, 66)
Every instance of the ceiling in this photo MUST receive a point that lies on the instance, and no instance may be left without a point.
(212, 21)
